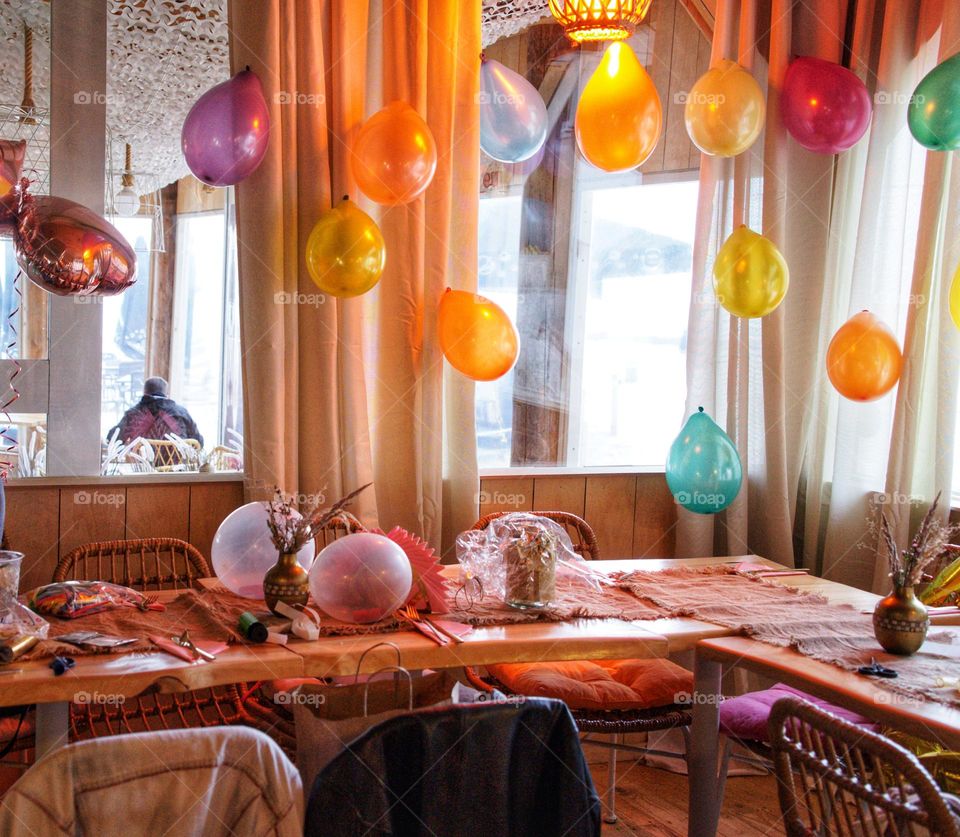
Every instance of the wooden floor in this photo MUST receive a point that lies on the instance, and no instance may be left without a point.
(653, 803)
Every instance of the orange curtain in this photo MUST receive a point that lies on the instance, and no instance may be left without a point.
(341, 392)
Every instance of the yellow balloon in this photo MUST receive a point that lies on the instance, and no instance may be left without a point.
(955, 298)
(619, 116)
(345, 251)
(725, 110)
(750, 276)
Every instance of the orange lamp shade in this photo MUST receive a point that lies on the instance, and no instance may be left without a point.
(394, 156)
(864, 359)
(599, 20)
(619, 116)
(476, 336)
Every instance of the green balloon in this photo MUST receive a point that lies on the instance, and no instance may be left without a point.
(934, 113)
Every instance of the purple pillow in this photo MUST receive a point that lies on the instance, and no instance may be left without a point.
(746, 716)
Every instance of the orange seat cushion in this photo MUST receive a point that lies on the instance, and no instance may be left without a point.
(599, 684)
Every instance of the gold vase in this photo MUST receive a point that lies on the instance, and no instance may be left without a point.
(286, 581)
(900, 622)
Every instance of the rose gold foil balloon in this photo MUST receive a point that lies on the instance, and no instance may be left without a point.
(66, 248)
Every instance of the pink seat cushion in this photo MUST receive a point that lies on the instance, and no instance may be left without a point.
(746, 716)
(600, 684)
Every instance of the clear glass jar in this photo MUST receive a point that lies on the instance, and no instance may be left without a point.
(531, 569)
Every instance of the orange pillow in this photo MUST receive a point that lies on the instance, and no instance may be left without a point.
(600, 684)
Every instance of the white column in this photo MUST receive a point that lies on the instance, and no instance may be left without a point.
(78, 89)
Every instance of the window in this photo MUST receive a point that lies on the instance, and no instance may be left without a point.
(626, 308)
(205, 356)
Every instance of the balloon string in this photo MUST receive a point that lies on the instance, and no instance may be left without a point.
(9, 442)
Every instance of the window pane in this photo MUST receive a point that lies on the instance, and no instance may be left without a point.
(635, 322)
(197, 360)
(498, 275)
(125, 329)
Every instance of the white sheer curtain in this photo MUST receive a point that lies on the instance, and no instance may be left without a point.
(870, 228)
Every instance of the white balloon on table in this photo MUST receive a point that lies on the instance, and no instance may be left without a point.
(361, 578)
(243, 551)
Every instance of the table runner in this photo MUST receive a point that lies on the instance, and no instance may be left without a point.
(832, 633)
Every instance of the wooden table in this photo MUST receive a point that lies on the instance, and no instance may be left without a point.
(128, 675)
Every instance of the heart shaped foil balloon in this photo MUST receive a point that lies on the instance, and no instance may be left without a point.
(66, 248)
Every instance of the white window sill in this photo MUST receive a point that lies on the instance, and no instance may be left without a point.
(127, 479)
(541, 471)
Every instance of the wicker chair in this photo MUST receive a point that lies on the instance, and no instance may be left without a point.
(342, 524)
(615, 723)
(149, 565)
(836, 778)
(165, 454)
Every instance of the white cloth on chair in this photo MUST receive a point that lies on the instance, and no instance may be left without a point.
(227, 780)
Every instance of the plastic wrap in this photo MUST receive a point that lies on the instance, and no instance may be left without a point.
(73, 599)
(521, 541)
(17, 620)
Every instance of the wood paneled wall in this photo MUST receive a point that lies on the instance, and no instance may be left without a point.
(47, 521)
(633, 515)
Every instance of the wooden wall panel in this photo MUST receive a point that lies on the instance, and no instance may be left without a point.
(633, 515)
(610, 510)
(655, 518)
(507, 494)
(91, 513)
(32, 526)
(45, 522)
(158, 511)
(560, 494)
(210, 503)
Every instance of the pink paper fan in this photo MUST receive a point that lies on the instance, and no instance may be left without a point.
(429, 590)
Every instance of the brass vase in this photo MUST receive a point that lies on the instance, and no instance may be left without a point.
(900, 622)
(286, 581)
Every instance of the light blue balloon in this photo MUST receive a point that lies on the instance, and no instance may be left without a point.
(703, 468)
(513, 117)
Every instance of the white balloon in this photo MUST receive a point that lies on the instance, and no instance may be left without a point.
(242, 551)
(361, 578)
(513, 117)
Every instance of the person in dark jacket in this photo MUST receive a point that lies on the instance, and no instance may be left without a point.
(155, 416)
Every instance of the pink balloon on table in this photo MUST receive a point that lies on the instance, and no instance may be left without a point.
(361, 578)
(65, 248)
(824, 106)
(225, 135)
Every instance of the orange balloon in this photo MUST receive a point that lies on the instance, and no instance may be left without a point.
(619, 116)
(476, 336)
(864, 359)
(394, 156)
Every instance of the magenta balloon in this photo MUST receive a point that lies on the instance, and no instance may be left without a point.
(225, 135)
(825, 107)
(68, 249)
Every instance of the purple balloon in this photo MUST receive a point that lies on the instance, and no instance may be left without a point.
(225, 135)
(825, 107)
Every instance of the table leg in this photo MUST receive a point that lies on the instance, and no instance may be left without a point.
(703, 807)
(53, 726)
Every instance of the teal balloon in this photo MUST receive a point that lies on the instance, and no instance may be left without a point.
(703, 469)
(934, 112)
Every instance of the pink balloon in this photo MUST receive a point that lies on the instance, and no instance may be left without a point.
(825, 107)
(66, 248)
(225, 135)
